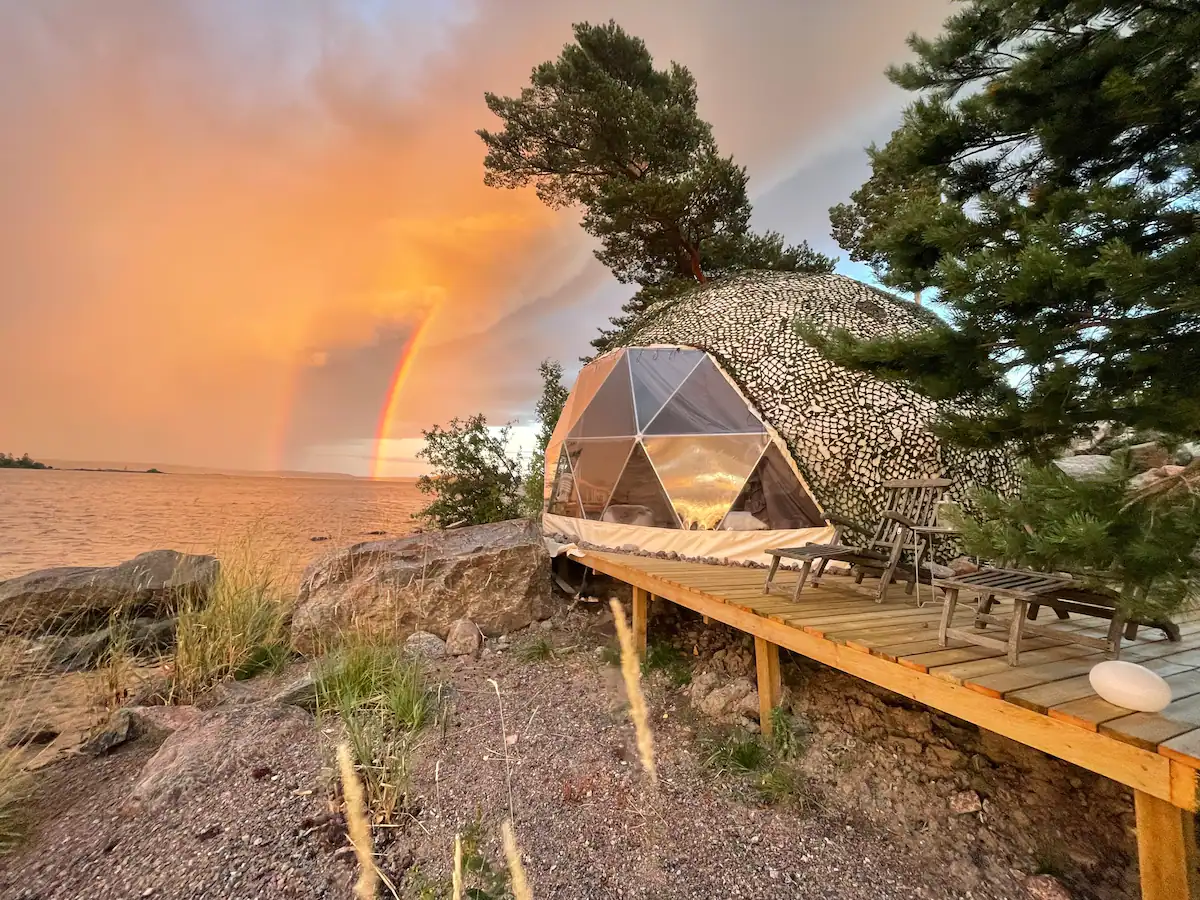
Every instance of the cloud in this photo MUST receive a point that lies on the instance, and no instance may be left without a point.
(203, 198)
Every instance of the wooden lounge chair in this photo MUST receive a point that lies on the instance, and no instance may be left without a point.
(910, 504)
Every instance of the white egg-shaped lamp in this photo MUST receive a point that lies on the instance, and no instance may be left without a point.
(1130, 685)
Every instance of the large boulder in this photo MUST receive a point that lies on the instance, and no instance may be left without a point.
(77, 599)
(497, 575)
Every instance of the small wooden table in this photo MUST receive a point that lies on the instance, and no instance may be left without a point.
(1022, 588)
(927, 533)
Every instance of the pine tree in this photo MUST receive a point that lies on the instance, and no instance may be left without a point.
(1045, 185)
(548, 409)
(1139, 545)
(601, 128)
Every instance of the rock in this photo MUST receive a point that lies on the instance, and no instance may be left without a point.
(965, 802)
(739, 697)
(947, 757)
(702, 685)
(963, 565)
(132, 722)
(1089, 466)
(30, 735)
(148, 637)
(74, 599)
(87, 651)
(141, 637)
(424, 645)
(302, 692)
(1148, 455)
(152, 690)
(463, 639)
(216, 749)
(912, 722)
(497, 575)
(1045, 887)
(119, 729)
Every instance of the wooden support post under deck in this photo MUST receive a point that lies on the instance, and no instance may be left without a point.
(1166, 837)
(641, 609)
(770, 686)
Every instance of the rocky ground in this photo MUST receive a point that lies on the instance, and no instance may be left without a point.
(884, 801)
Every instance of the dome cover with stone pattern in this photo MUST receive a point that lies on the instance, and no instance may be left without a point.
(718, 415)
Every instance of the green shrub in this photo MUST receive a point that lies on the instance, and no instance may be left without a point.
(474, 479)
(537, 650)
(736, 752)
(789, 736)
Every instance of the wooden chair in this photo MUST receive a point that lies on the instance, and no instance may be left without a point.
(910, 504)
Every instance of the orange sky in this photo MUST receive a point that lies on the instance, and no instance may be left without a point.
(219, 223)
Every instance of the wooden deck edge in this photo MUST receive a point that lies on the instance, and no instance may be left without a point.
(1149, 772)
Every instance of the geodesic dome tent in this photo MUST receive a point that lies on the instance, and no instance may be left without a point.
(717, 431)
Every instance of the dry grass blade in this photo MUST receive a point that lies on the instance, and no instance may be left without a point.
(358, 826)
(504, 746)
(520, 884)
(458, 868)
(631, 670)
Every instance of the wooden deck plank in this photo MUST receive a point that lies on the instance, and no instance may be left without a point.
(1040, 697)
(1154, 774)
(1185, 748)
(1022, 677)
(1091, 712)
(1148, 730)
(962, 673)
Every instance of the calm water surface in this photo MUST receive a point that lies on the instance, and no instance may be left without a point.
(100, 518)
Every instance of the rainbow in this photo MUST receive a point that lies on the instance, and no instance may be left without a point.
(391, 400)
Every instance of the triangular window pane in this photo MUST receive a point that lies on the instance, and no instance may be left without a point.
(597, 465)
(590, 378)
(610, 413)
(638, 498)
(703, 475)
(563, 500)
(705, 404)
(656, 375)
(773, 498)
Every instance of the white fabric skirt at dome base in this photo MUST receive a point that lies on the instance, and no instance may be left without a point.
(734, 546)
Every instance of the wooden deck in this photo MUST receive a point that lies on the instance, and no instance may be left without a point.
(1046, 702)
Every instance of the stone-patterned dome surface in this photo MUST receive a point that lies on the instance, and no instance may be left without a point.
(847, 431)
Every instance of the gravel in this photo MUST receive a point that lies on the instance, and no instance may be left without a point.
(564, 764)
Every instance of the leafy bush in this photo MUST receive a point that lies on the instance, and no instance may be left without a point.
(474, 480)
(1139, 544)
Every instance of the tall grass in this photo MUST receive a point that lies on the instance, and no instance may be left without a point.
(14, 786)
(382, 699)
(240, 631)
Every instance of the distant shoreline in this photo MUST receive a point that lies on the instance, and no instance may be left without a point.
(124, 471)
